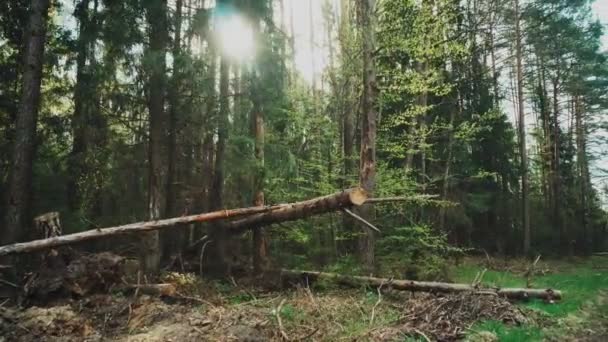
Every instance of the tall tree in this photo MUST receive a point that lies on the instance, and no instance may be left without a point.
(525, 186)
(222, 124)
(367, 175)
(260, 243)
(18, 209)
(156, 16)
(87, 124)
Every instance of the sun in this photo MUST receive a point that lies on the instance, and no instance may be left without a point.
(235, 37)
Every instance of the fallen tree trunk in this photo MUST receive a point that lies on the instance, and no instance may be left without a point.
(259, 216)
(300, 210)
(422, 286)
(36, 245)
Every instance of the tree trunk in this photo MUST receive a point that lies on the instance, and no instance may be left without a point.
(525, 187)
(300, 210)
(260, 244)
(174, 243)
(446, 171)
(174, 107)
(18, 209)
(148, 226)
(217, 190)
(367, 176)
(292, 38)
(422, 286)
(583, 173)
(86, 108)
(209, 115)
(156, 16)
(557, 216)
(491, 33)
(313, 63)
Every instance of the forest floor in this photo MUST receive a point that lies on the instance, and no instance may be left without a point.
(237, 311)
(582, 315)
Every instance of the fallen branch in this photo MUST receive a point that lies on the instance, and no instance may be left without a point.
(278, 316)
(530, 271)
(361, 219)
(379, 289)
(415, 198)
(423, 286)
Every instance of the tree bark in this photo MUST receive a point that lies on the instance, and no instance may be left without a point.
(448, 163)
(174, 243)
(299, 210)
(556, 215)
(156, 16)
(217, 190)
(260, 244)
(583, 172)
(18, 209)
(367, 175)
(174, 104)
(422, 286)
(525, 186)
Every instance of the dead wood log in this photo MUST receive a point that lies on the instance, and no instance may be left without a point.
(422, 286)
(300, 210)
(36, 245)
(258, 216)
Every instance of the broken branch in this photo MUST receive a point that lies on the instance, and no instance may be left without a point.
(361, 219)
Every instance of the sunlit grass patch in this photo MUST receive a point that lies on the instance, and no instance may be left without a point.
(581, 282)
(505, 333)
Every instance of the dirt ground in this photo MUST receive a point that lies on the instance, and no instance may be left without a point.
(93, 298)
(297, 315)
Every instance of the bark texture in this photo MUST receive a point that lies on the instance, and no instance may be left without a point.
(300, 210)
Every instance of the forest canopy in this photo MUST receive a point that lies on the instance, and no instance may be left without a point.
(494, 111)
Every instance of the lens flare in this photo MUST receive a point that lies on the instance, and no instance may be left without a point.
(235, 37)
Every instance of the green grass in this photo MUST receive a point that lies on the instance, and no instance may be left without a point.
(509, 334)
(580, 282)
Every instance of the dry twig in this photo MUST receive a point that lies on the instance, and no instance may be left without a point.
(371, 320)
(278, 316)
(530, 271)
(200, 259)
(423, 335)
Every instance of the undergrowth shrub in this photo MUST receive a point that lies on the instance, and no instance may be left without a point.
(415, 253)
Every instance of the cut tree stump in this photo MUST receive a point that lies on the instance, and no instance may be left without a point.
(422, 286)
(48, 225)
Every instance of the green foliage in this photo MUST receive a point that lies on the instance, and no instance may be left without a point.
(416, 252)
